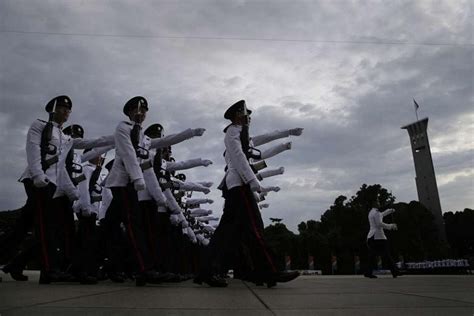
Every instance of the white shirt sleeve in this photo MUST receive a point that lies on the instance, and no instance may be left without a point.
(96, 152)
(84, 202)
(186, 164)
(268, 137)
(191, 186)
(275, 150)
(272, 172)
(206, 184)
(106, 200)
(387, 212)
(80, 143)
(153, 187)
(196, 212)
(33, 148)
(172, 139)
(198, 201)
(172, 204)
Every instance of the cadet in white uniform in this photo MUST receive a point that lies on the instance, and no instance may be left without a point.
(241, 224)
(153, 199)
(377, 241)
(126, 179)
(87, 210)
(46, 177)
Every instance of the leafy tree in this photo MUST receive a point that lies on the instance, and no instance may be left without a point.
(460, 232)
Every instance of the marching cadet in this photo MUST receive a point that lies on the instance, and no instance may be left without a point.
(241, 221)
(126, 179)
(87, 210)
(377, 243)
(46, 151)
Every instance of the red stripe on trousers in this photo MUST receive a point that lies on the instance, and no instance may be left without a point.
(130, 231)
(43, 239)
(256, 232)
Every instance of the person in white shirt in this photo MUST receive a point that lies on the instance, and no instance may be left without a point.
(377, 241)
(47, 182)
(154, 200)
(125, 180)
(87, 211)
(241, 225)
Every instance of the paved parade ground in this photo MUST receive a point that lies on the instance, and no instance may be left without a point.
(308, 295)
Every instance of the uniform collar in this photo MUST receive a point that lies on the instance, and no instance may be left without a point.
(239, 127)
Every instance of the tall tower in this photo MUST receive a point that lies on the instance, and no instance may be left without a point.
(425, 175)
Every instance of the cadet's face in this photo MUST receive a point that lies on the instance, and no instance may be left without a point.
(62, 114)
(138, 116)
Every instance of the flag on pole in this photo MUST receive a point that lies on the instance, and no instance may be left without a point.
(416, 104)
(416, 108)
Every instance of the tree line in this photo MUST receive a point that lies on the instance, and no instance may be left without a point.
(342, 230)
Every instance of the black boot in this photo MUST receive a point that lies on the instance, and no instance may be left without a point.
(151, 277)
(370, 276)
(396, 274)
(48, 277)
(15, 272)
(84, 278)
(284, 276)
(116, 277)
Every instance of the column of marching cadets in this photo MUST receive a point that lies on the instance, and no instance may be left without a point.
(135, 217)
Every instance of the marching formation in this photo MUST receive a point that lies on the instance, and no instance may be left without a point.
(135, 217)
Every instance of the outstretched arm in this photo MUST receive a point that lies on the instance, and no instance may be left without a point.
(268, 137)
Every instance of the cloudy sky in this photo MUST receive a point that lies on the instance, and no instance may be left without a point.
(346, 71)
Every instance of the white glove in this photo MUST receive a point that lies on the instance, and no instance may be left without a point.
(139, 184)
(275, 188)
(288, 145)
(198, 131)
(206, 162)
(40, 181)
(296, 131)
(255, 185)
(174, 219)
(393, 227)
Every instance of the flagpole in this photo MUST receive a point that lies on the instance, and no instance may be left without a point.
(416, 108)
